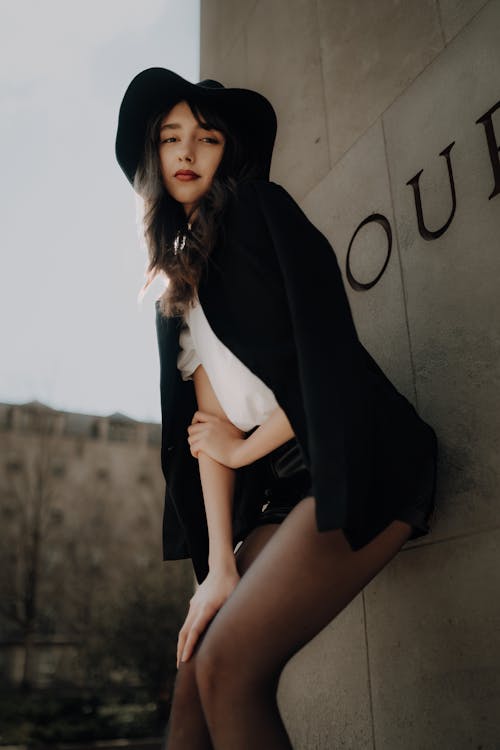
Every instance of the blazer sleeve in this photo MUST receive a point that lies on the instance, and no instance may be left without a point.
(331, 370)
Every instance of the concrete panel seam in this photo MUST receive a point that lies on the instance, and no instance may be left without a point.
(245, 42)
(244, 33)
(401, 272)
(235, 43)
(341, 157)
(389, 106)
(245, 27)
(440, 21)
(478, 11)
(372, 718)
(321, 72)
(240, 29)
(436, 56)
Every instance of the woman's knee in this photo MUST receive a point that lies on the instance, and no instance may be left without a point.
(228, 664)
(213, 666)
(185, 687)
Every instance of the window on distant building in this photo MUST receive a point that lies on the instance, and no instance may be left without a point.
(102, 473)
(58, 468)
(14, 465)
(122, 431)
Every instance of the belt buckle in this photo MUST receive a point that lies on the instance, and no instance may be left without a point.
(288, 460)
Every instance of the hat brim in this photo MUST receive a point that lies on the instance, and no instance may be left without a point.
(157, 89)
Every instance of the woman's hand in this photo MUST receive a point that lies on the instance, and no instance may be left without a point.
(218, 438)
(203, 606)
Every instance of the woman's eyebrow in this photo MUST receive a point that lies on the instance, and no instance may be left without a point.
(176, 126)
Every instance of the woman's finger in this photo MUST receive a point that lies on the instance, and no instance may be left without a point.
(195, 429)
(177, 656)
(181, 641)
(202, 416)
(183, 633)
(194, 441)
(190, 644)
(194, 451)
(195, 627)
(196, 630)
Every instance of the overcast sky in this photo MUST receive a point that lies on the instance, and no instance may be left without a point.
(73, 334)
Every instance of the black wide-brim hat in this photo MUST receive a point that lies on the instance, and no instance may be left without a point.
(156, 90)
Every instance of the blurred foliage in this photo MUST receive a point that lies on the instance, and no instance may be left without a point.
(124, 676)
(80, 565)
(136, 639)
(69, 714)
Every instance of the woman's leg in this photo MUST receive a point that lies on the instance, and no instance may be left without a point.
(299, 582)
(187, 728)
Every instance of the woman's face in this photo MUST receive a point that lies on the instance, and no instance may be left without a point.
(185, 146)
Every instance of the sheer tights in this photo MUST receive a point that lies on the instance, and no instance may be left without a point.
(292, 587)
(187, 727)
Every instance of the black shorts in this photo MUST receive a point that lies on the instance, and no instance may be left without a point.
(283, 494)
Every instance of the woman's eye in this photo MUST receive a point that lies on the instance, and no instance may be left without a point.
(206, 138)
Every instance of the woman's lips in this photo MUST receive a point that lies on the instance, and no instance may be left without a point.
(185, 177)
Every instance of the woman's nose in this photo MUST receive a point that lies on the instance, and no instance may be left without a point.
(186, 154)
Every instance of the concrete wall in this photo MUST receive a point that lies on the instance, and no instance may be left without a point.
(367, 95)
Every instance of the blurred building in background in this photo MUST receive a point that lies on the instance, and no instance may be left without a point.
(81, 501)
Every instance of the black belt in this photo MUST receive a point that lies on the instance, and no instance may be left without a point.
(286, 460)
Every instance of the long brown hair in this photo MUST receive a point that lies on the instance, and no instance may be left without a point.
(163, 216)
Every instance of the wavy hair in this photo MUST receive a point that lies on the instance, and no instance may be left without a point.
(163, 216)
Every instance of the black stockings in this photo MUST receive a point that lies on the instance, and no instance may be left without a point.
(295, 580)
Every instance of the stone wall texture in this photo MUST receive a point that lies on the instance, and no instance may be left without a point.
(368, 95)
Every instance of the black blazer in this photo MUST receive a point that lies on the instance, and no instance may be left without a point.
(274, 295)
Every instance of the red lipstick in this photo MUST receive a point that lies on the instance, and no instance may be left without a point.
(186, 174)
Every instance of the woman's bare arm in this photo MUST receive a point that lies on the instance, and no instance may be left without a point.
(217, 483)
(272, 433)
(224, 442)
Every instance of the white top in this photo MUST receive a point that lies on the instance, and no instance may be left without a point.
(245, 398)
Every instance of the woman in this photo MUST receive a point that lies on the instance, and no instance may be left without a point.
(267, 395)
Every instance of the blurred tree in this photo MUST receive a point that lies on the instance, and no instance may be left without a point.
(80, 556)
(31, 521)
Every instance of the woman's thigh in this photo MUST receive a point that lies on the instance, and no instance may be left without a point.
(298, 583)
(245, 556)
(252, 545)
